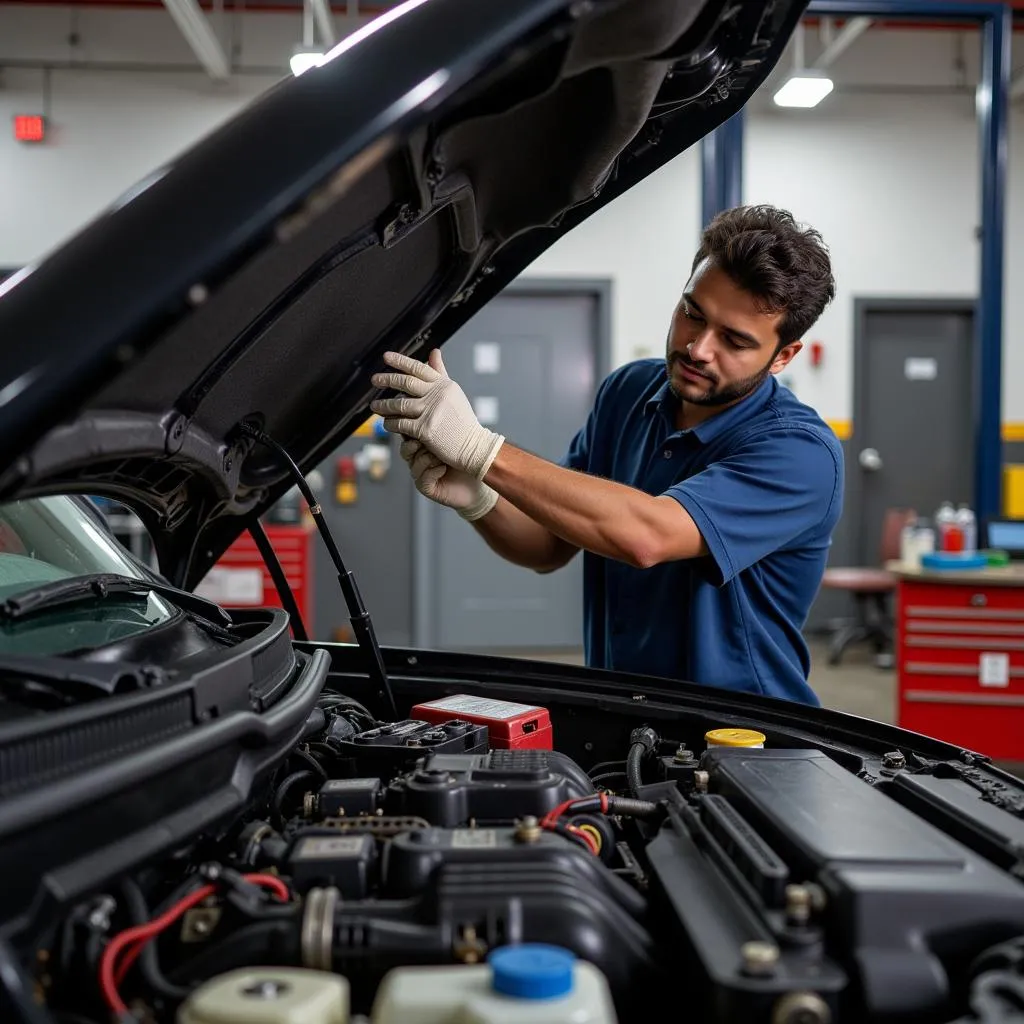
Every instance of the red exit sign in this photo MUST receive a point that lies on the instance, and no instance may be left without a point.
(29, 127)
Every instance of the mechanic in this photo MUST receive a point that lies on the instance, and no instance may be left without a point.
(704, 502)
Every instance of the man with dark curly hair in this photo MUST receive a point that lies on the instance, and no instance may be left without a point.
(702, 493)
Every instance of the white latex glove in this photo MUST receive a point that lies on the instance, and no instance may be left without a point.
(471, 498)
(436, 411)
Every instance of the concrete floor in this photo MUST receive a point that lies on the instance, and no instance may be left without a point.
(856, 685)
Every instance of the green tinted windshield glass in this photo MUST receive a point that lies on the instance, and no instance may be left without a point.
(54, 538)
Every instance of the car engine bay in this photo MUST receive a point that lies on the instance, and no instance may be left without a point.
(383, 867)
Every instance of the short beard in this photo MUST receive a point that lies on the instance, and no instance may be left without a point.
(716, 396)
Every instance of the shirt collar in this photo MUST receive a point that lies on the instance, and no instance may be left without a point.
(714, 426)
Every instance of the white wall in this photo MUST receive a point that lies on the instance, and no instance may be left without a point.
(887, 168)
(644, 242)
(112, 124)
(109, 131)
(898, 211)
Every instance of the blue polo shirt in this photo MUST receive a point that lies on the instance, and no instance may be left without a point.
(763, 481)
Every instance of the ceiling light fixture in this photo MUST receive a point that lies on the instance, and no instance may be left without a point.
(803, 89)
(305, 58)
(308, 54)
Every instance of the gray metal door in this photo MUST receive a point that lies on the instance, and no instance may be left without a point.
(912, 432)
(529, 363)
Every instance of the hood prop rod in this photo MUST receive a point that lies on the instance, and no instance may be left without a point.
(362, 625)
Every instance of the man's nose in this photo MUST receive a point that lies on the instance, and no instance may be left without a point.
(700, 349)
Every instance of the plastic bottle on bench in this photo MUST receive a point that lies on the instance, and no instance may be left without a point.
(947, 528)
(908, 542)
(924, 540)
(968, 524)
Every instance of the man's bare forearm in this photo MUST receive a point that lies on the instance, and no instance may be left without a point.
(518, 539)
(597, 515)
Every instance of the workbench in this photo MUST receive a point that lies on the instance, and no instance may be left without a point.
(960, 656)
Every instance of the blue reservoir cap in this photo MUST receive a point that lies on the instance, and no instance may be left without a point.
(532, 970)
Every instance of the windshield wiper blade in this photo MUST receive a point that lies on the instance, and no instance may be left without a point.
(100, 585)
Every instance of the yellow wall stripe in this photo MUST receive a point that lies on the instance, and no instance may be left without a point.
(843, 429)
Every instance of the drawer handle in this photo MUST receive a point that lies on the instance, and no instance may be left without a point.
(979, 600)
(940, 697)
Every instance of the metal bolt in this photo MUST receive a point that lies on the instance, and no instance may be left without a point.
(100, 915)
(759, 957)
(700, 781)
(528, 830)
(682, 755)
(818, 898)
(469, 948)
(198, 294)
(894, 760)
(798, 904)
(268, 989)
(801, 1008)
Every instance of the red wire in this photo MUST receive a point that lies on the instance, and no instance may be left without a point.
(132, 940)
(552, 816)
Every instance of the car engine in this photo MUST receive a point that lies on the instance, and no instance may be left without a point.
(388, 866)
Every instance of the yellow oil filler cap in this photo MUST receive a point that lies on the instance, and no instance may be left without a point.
(734, 738)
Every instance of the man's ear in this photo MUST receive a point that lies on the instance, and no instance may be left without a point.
(785, 355)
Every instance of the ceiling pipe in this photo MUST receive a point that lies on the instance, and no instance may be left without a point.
(200, 36)
(324, 21)
(851, 31)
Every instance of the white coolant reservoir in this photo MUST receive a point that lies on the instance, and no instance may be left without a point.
(269, 995)
(532, 982)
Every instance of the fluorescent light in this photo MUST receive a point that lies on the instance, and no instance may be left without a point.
(804, 89)
(302, 60)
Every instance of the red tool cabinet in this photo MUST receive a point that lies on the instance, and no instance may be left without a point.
(240, 579)
(960, 658)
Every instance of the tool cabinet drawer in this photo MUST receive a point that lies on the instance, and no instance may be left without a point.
(931, 600)
(960, 661)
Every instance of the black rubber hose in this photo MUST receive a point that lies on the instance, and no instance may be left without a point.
(643, 741)
(288, 783)
(311, 761)
(633, 777)
(632, 808)
(148, 963)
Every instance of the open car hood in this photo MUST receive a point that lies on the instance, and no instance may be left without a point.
(376, 202)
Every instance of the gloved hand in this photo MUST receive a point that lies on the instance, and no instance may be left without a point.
(436, 412)
(471, 498)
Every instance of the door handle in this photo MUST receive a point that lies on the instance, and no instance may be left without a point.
(870, 460)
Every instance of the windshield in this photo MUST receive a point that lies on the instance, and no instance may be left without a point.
(56, 538)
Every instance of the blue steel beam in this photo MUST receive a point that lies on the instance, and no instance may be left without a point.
(722, 168)
(995, 20)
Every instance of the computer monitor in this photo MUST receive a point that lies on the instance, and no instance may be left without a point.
(1006, 535)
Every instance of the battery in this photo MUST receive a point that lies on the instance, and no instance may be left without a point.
(510, 726)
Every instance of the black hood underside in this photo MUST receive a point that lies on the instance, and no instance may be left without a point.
(377, 202)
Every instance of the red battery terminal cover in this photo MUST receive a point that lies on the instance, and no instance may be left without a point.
(509, 726)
